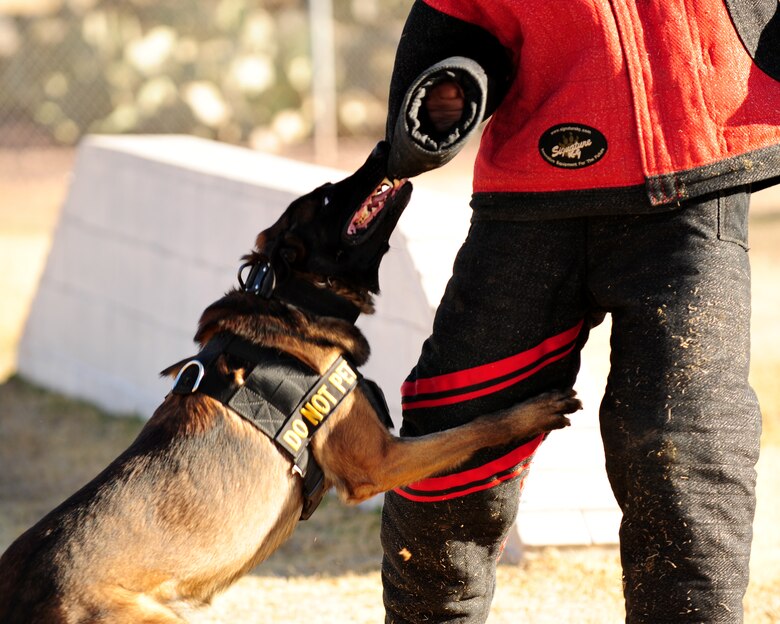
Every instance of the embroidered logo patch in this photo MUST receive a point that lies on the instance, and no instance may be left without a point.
(572, 146)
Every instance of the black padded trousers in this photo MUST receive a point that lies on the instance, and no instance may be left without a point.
(679, 421)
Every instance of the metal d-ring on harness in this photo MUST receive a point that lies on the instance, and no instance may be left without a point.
(281, 396)
(261, 280)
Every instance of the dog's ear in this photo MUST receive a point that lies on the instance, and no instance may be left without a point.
(290, 250)
(290, 239)
(281, 246)
(269, 239)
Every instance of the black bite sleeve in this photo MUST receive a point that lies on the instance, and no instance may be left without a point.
(435, 47)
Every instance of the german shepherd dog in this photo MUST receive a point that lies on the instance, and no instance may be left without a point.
(203, 495)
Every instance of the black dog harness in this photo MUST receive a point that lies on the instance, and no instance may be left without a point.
(281, 396)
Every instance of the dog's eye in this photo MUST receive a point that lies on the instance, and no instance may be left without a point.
(325, 200)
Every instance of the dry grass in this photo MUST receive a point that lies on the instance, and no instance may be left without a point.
(328, 571)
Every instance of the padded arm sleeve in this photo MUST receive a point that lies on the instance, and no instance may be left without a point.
(436, 47)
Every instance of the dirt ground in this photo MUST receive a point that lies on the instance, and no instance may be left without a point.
(328, 572)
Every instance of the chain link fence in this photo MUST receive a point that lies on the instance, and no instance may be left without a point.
(238, 71)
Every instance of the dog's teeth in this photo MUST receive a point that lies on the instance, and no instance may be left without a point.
(373, 204)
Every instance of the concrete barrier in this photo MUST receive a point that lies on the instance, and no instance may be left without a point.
(152, 232)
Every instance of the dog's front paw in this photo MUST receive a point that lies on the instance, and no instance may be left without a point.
(558, 402)
(546, 412)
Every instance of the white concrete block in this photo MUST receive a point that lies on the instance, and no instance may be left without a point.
(567, 488)
(553, 528)
(603, 525)
(574, 447)
(435, 225)
(152, 232)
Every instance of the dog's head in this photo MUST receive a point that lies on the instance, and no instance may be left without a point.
(340, 231)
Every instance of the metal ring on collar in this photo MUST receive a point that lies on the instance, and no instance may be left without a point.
(198, 378)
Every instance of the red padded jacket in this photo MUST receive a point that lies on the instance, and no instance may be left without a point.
(676, 98)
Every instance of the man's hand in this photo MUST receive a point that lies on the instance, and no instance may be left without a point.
(444, 103)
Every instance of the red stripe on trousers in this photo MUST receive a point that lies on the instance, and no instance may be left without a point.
(450, 496)
(458, 398)
(473, 475)
(492, 370)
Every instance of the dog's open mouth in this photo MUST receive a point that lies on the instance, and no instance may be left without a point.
(373, 207)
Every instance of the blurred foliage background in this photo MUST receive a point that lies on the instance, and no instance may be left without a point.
(238, 71)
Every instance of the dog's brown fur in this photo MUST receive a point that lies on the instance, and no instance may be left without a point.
(202, 496)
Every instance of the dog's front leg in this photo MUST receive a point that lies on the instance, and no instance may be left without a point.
(379, 462)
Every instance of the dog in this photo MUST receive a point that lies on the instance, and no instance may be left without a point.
(205, 492)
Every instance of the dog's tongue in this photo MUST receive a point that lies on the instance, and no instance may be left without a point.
(372, 206)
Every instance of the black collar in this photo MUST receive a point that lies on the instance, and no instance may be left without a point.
(321, 301)
(263, 281)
